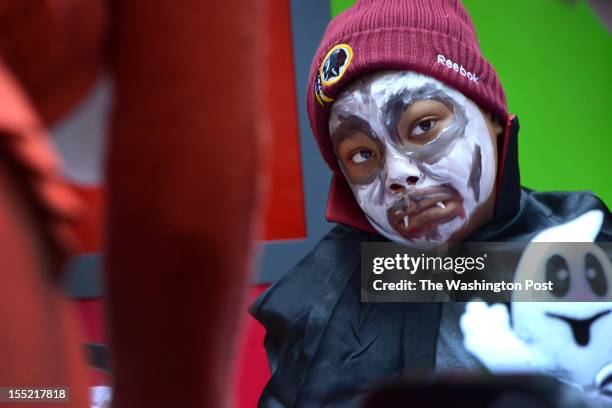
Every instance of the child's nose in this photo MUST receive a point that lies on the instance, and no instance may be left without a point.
(402, 174)
(402, 185)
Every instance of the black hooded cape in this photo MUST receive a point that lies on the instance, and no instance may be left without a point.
(325, 347)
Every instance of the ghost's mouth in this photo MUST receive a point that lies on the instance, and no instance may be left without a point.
(581, 328)
(418, 213)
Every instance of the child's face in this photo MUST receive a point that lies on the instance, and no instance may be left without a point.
(418, 155)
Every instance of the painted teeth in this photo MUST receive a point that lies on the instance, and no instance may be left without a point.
(440, 204)
(406, 221)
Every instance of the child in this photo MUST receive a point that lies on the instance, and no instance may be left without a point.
(413, 122)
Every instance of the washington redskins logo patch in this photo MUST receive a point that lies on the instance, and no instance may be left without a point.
(335, 64)
(332, 68)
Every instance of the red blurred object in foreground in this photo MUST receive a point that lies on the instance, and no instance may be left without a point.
(40, 345)
(184, 170)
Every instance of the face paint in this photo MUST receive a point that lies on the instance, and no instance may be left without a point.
(417, 154)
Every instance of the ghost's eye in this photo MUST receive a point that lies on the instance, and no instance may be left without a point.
(362, 156)
(422, 127)
(595, 275)
(557, 272)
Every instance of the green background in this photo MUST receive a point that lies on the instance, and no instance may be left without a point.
(554, 59)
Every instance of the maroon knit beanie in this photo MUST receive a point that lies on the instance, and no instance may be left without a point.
(431, 37)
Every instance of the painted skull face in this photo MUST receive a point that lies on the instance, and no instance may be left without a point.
(417, 154)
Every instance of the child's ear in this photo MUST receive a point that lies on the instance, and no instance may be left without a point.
(498, 128)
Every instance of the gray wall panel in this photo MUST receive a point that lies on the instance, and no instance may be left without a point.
(309, 18)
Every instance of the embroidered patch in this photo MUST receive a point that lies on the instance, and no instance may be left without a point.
(335, 64)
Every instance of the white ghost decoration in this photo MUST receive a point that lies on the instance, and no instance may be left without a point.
(568, 340)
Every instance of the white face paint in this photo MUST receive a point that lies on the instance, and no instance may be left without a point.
(423, 180)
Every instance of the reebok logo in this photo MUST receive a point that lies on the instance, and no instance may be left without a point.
(459, 68)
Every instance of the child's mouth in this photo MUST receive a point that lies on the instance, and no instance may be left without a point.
(419, 213)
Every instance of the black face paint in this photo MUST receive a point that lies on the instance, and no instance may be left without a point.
(476, 173)
(397, 104)
(349, 125)
(438, 148)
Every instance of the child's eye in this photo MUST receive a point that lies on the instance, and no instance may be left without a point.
(422, 127)
(362, 156)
